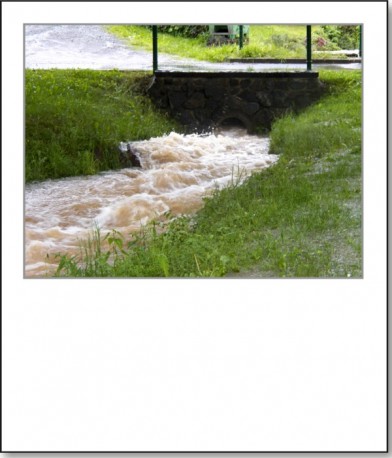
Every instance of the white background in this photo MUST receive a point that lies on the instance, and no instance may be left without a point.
(198, 365)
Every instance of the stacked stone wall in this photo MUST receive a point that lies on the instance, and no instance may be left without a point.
(201, 101)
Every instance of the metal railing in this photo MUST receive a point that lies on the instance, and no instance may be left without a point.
(308, 48)
(154, 48)
(241, 44)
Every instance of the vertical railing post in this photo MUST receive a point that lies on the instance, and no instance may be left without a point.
(154, 48)
(308, 48)
(360, 42)
(241, 36)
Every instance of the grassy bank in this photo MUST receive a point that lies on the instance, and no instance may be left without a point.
(272, 41)
(299, 218)
(76, 118)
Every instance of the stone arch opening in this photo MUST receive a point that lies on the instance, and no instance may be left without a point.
(232, 122)
(234, 119)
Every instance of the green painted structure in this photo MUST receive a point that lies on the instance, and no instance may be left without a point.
(229, 32)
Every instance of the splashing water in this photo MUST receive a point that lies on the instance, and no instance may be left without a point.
(176, 172)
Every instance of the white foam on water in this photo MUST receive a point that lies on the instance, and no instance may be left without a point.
(177, 172)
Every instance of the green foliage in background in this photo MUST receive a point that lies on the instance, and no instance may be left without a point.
(187, 31)
(343, 36)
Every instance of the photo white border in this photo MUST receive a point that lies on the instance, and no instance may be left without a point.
(195, 365)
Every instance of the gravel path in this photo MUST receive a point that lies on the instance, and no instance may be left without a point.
(85, 46)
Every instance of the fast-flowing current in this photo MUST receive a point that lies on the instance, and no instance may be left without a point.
(176, 172)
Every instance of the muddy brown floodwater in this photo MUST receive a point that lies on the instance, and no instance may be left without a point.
(177, 172)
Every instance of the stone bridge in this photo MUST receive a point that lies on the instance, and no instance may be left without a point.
(201, 101)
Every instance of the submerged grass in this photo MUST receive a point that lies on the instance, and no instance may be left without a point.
(75, 119)
(300, 218)
(266, 41)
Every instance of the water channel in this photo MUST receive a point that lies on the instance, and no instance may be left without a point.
(176, 172)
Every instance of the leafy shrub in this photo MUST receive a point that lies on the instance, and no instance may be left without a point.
(187, 31)
(344, 36)
(286, 41)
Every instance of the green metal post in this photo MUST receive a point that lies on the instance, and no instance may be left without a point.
(154, 48)
(241, 36)
(309, 48)
(360, 42)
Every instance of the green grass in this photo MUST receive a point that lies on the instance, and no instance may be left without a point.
(299, 218)
(75, 119)
(266, 41)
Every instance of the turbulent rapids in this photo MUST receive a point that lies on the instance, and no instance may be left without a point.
(176, 172)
